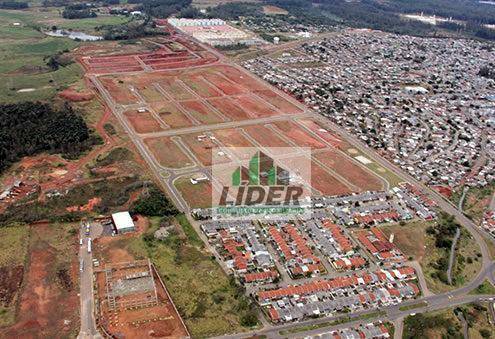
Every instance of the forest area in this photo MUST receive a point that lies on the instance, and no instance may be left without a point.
(30, 128)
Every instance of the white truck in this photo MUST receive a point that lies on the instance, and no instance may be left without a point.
(89, 245)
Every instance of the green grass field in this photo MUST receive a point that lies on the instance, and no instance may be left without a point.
(24, 51)
(13, 250)
(13, 247)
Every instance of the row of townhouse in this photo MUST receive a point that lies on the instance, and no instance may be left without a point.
(341, 294)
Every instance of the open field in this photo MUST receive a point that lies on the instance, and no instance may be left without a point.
(171, 114)
(326, 183)
(162, 58)
(119, 92)
(13, 250)
(167, 153)
(446, 323)
(265, 136)
(352, 172)
(206, 97)
(298, 135)
(175, 89)
(201, 146)
(230, 108)
(48, 301)
(279, 102)
(24, 74)
(143, 122)
(326, 135)
(415, 242)
(234, 139)
(376, 168)
(198, 195)
(256, 106)
(223, 84)
(410, 238)
(201, 112)
(201, 87)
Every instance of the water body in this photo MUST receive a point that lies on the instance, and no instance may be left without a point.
(73, 35)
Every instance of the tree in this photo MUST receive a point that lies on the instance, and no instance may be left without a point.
(153, 203)
(29, 128)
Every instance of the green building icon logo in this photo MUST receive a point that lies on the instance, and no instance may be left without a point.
(261, 171)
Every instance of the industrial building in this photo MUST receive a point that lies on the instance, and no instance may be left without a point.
(123, 222)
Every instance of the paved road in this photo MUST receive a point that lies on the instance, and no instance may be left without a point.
(398, 328)
(465, 328)
(88, 324)
(460, 205)
(452, 254)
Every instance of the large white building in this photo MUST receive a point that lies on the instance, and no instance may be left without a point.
(123, 222)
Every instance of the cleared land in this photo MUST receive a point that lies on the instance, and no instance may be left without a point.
(326, 183)
(201, 112)
(167, 153)
(202, 147)
(24, 74)
(118, 91)
(298, 135)
(230, 108)
(142, 304)
(48, 304)
(352, 172)
(143, 122)
(198, 195)
(234, 139)
(171, 114)
(279, 102)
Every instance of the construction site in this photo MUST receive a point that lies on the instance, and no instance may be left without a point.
(132, 301)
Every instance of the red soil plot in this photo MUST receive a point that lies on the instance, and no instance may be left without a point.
(202, 146)
(278, 101)
(230, 108)
(167, 153)
(266, 137)
(118, 92)
(326, 183)
(349, 170)
(143, 122)
(323, 133)
(158, 321)
(48, 301)
(200, 87)
(241, 78)
(171, 114)
(224, 84)
(234, 139)
(255, 106)
(175, 89)
(200, 112)
(298, 135)
(109, 64)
